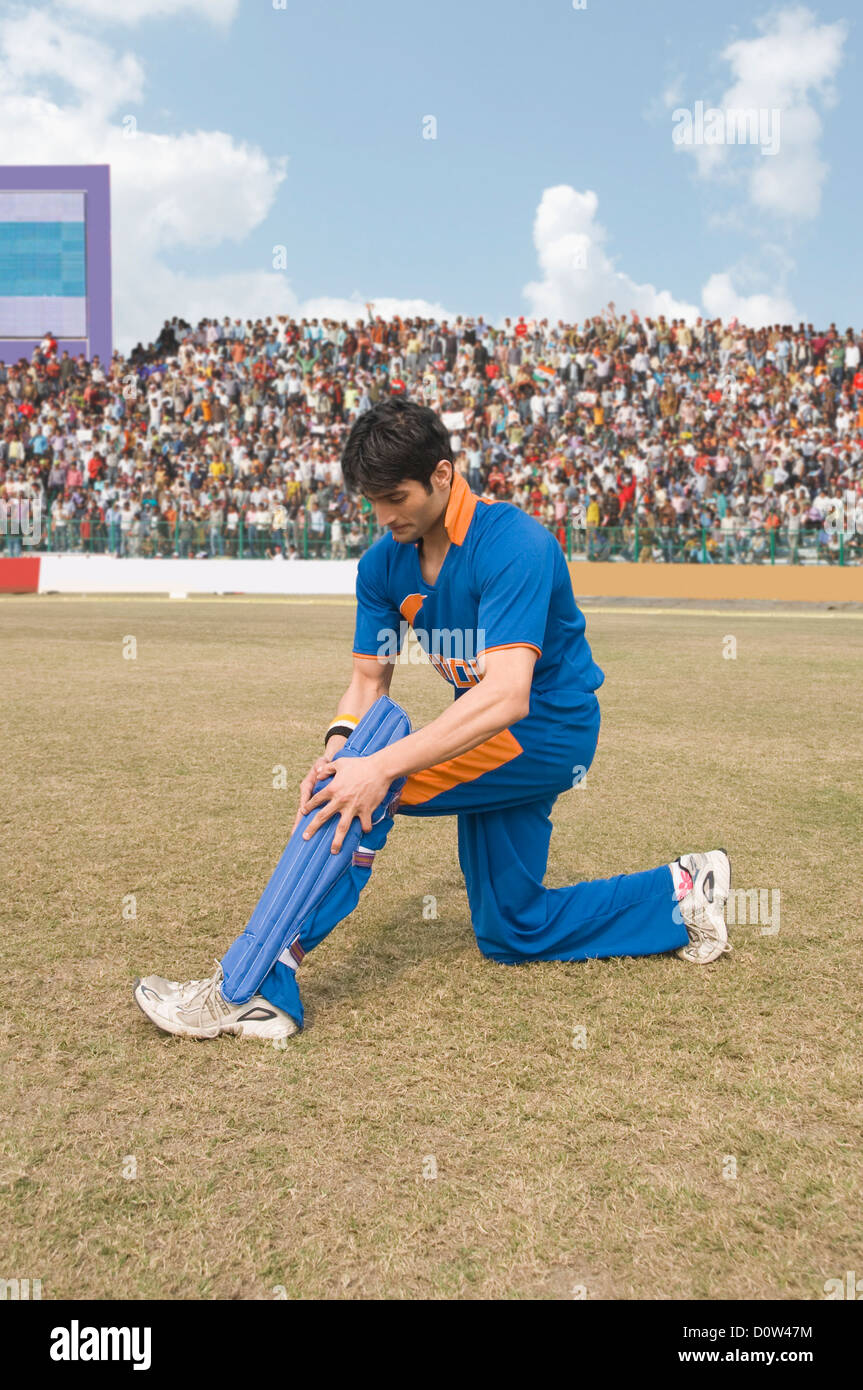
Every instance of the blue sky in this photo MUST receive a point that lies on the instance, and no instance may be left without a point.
(233, 128)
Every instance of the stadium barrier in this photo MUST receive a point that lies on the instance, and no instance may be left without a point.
(705, 545)
(20, 575)
(713, 583)
(107, 574)
(637, 543)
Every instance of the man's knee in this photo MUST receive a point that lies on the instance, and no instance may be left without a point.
(505, 948)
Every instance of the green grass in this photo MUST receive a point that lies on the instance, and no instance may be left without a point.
(557, 1167)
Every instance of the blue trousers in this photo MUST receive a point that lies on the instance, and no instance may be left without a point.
(502, 795)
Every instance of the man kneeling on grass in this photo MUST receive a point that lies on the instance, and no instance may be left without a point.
(521, 730)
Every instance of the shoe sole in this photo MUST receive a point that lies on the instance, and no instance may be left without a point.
(728, 889)
(726, 948)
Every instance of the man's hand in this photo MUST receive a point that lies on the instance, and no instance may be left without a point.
(357, 789)
(315, 775)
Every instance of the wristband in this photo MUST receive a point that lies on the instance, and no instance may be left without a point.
(343, 724)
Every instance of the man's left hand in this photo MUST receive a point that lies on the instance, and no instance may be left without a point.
(357, 789)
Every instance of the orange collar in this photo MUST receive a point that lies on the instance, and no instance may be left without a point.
(460, 509)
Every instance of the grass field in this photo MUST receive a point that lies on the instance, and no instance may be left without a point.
(135, 1165)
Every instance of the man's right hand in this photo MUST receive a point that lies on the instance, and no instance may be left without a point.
(315, 773)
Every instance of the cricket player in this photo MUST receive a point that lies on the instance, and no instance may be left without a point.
(487, 592)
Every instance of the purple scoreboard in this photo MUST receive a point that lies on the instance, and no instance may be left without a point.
(55, 259)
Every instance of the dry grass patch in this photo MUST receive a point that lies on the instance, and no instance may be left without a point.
(556, 1166)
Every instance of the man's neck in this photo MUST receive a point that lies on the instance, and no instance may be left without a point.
(435, 542)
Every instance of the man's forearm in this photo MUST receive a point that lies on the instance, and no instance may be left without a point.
(480, 714)
(357, 700)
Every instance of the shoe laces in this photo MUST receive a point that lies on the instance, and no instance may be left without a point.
(186, 988)
(697, 936)
(207, 996)
(699, 930)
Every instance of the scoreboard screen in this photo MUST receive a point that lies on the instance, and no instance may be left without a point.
(43, 264)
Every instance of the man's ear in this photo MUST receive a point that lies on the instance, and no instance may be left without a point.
(444, 479)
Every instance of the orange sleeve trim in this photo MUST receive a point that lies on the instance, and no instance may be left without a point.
(496, 751)
(364, 656)
(504, 646)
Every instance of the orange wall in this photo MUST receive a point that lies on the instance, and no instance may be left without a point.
(801, 583)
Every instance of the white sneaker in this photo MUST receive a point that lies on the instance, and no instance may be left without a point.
(158, 985)
(198, 1009)
(702, 883)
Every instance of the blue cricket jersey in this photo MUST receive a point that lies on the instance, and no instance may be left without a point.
(504, 582)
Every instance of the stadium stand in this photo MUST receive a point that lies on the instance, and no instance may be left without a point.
(629, 439)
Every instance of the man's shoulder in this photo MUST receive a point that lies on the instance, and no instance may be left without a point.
(380, 557)
(504, 522)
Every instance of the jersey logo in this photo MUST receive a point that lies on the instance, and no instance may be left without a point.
(410, 606)
(460, 673)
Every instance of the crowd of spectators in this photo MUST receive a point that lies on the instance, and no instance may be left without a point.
(225, 438)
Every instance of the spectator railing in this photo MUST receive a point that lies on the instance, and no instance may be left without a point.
(710, 545)
(190, 538)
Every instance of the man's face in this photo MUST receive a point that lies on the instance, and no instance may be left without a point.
(408, 510)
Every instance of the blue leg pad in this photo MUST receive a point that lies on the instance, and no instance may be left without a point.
(307, 870)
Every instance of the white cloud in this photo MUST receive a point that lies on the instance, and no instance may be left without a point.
(793, 61)
(723, 301)
(327, 307)
(579, 278)
(65, 99)
(38, 55)
(133, 11)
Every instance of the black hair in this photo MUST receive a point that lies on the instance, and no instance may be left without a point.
(395, 440)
